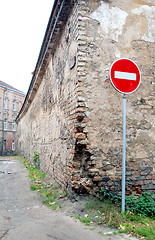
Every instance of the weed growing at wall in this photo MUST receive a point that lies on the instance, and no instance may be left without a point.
(105, 213)
(94, 211)
(50, 194)
(35, 158)
(143, 205)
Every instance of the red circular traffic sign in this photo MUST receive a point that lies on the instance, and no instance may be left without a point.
(125, 75)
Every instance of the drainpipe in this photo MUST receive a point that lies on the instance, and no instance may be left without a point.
(3, 122)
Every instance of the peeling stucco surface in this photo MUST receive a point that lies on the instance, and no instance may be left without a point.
(115, 19)
(149, 1)
(149, 13)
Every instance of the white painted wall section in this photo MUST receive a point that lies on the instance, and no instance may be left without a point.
(111, 20)
(149, 13)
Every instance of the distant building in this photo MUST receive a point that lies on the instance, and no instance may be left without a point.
(11, 100)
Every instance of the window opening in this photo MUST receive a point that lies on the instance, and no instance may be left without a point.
(13, 145)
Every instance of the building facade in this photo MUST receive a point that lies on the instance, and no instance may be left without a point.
(73, 115)
(11, 101)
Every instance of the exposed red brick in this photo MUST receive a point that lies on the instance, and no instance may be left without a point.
(97, 179)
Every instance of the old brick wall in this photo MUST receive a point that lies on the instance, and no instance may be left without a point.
(48, 126)
(75, 119)
(109, 30)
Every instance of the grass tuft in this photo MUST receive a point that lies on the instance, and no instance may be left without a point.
(100, 212)
(49, 193)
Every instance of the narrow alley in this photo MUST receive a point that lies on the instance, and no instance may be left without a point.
(24, 217)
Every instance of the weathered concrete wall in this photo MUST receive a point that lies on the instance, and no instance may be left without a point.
(75, 120)
(110, 30)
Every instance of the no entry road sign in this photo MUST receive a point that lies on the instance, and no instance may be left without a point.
(125, 75)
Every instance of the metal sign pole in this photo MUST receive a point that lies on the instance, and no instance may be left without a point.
(121, 70)
(124, 153)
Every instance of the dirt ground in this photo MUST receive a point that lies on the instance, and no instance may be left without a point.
(24, 217)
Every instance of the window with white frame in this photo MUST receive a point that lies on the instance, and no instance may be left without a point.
(5, 103)
(14, 105)
(13, 126)
(5, 125)
(13, 145)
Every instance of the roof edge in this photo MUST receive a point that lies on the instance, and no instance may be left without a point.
(44, 56)
(38, 64)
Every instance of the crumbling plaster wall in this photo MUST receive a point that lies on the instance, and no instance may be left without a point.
(112, 30)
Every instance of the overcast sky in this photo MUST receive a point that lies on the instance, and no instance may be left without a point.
(22, 27)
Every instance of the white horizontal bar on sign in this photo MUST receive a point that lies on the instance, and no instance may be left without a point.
(125, 75)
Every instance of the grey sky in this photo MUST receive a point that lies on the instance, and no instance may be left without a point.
(22, 28)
